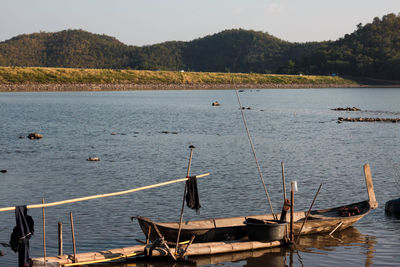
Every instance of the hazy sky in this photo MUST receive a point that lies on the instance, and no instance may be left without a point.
(135, 22)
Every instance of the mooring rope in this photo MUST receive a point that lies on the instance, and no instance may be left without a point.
(254, 154)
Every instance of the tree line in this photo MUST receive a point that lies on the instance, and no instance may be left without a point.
(372, 50)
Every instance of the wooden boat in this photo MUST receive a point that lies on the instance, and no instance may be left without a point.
(223, 229)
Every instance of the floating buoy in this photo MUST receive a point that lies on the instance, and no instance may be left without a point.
(93, 159)
(35, 136)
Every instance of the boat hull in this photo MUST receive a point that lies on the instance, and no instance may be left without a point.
(225, 229)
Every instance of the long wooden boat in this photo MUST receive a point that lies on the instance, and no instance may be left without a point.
(233, 228)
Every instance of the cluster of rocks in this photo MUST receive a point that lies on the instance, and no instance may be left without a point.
(347, 109)
(393, 120)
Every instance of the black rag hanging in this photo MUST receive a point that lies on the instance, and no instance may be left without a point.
(21, 234)
(192, 194)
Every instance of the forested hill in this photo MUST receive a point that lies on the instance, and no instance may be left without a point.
(372, 50)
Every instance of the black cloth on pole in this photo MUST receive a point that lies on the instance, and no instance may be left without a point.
(21, 234)
(192, 194)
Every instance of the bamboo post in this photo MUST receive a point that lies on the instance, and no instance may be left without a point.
(283, 181)
(35, 206)
(73, 235)
(60, 239)
(286, 203)
(255, 155)
(44, 234)
(291, 211)
(308, 213)
(184, 195)
(163, 241)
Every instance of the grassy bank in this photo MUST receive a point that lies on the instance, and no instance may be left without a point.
(17, 77)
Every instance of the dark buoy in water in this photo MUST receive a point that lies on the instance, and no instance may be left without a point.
(3, 171)
(392, 207)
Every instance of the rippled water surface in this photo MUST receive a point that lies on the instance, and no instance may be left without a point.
(142, 138)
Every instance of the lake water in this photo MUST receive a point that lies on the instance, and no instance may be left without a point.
(125, 130)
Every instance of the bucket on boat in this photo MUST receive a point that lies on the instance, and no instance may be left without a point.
(265, 230)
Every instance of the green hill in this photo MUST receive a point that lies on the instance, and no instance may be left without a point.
(372, 50)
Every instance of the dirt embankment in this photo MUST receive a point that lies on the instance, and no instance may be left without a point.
(132, 87)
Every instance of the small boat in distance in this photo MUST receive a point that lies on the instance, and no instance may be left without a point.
(234, 228)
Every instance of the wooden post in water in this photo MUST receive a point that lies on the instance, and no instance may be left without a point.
(291, 211)
(370, 187)
(60, 239)
(283, 181)
(73, 235)
(44, 233)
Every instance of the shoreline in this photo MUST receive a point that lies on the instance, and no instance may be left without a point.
(65, 87)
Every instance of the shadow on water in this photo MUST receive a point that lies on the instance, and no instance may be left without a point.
(314, 246)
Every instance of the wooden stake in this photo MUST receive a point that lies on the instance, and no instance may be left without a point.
(44, 234)
(283, 181)
(73, 235)
(60, 239)
(308, 213)
(370, 187)
(291, 211)
(184, 195)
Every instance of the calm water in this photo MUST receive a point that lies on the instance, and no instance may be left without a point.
(294, 126)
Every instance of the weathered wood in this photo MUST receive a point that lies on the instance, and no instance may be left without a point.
(60, 239)
(73, 235)
(223, 229)
(90, 256)
(370, 187)
(308, 213)
(197, 249)
(291, 233)
(184, 196)
(44, 233)
(104, 195)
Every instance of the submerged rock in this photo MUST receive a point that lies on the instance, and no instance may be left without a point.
(347, 109)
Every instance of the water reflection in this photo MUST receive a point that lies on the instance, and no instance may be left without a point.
(307, 252)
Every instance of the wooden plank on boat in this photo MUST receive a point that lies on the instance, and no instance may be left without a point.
(196, 249)
(212, 248)
(89, 256)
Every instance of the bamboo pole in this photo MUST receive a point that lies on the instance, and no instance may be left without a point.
(291, 211)
(283, 181)
(60, 239)
(308, 213)
(183, 201)
(44, 234)
(51, 204)
(73, 235)
(255, 155)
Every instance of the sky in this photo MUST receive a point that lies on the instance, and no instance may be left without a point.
(146, 22)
